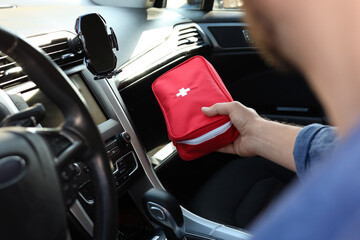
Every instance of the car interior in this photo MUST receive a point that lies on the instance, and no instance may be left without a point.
(84, 150)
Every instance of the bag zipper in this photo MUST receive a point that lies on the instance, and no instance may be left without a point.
(207, 136)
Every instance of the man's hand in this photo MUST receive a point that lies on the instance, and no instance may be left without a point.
(258, 136)
(244, 119)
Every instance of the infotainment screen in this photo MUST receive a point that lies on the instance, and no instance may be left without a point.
(53, 115)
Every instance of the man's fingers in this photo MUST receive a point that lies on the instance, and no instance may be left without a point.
(218, 109)
(209, 111)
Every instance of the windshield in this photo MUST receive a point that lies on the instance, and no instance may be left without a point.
(196, 4)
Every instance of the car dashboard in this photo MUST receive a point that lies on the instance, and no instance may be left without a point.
(151, 42)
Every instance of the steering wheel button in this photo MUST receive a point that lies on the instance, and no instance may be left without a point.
(65, 175)
(11, 168)
(66, 187)
(68, 202)
(86, 169)
(71, 167)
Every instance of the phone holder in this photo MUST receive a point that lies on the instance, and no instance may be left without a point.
(94, 41)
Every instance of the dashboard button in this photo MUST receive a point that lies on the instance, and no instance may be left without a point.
(113, 151)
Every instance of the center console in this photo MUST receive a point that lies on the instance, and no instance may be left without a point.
(122, 157)
(123, 163)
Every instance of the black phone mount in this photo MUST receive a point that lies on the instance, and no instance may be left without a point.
(94, 41)
(113, 39)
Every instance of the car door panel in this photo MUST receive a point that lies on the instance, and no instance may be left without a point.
(282, 96)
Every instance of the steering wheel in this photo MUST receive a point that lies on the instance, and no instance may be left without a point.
(34, 162)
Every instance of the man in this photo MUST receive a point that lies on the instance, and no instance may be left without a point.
(320, 39)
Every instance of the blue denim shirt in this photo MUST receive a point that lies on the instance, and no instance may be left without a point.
(312, 143)
(326, 203)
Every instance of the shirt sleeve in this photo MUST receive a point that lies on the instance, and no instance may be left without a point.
(311, 143)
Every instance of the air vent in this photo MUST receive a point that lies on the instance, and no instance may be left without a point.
(56, 48)
(10, 72)
(189, 36)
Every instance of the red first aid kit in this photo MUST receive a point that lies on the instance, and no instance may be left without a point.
(181, 93)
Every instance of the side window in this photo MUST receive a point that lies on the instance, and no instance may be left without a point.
(228, 4)
(188, 4)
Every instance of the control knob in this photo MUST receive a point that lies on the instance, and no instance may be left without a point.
(124, 137)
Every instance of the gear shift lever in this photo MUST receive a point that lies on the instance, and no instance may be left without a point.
(165, 210)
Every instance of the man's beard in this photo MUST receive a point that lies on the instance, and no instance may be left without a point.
(263, 36)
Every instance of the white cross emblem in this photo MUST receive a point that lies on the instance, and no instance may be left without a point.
(182, 92)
